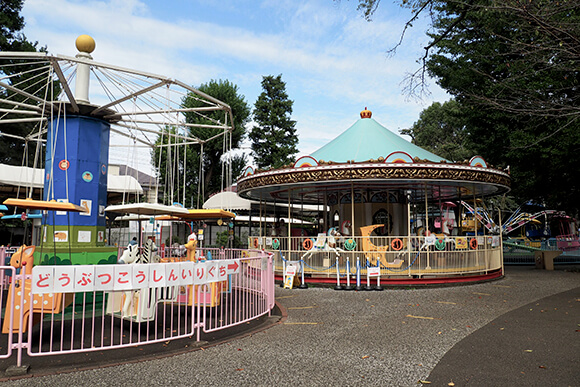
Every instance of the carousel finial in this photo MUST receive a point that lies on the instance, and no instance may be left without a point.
(85, 43)
(366, 113)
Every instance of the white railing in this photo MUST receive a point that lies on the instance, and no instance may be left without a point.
(396, 256)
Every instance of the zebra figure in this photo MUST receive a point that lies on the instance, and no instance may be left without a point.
(148, 253)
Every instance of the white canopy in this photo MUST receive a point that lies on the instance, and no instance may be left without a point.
(147, 209)
(227, 200)
(231, 201)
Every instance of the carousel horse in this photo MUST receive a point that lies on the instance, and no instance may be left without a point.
(139, 305)
(325, 243)
(345, 227)
(147, 255)
(131, 256)
(23, 259)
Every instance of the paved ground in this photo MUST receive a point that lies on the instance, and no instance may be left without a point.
(518, 331)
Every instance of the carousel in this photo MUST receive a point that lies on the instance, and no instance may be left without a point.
(386, 209)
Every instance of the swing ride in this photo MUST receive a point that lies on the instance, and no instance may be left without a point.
(110, 107)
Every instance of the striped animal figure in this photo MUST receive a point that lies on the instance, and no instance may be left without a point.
(148, 254)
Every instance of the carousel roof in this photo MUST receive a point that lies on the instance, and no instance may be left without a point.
(366, 140)
(369, 157)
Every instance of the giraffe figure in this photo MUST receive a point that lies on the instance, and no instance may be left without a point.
(42, 303)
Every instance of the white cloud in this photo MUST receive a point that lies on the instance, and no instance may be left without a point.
(333, 61)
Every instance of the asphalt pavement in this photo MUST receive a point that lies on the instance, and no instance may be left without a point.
(521, 330)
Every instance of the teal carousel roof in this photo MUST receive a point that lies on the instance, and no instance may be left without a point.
(366, 140)
(369, 157)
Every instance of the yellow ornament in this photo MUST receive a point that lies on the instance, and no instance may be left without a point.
(85, 43)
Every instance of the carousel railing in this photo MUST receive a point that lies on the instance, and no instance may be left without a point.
(395, 255)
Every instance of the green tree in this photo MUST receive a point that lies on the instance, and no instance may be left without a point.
(441, 129)
(531, 64)
(274, 139)
(14, 151)
(11, 23)
(519, 90)
(513, 67)
(171, 173)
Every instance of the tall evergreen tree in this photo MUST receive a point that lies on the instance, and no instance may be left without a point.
(274, 139)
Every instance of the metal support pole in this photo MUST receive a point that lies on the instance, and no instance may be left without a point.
(379, 287)
(283, 270)
(368, 287)
(358, 287)
(348, 286)
(337, 287)
(302, 283)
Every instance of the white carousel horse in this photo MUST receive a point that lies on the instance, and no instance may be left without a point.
(130, 255)
(325, 243)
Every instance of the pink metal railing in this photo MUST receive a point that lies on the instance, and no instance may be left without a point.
(6, 297)
(84, 321)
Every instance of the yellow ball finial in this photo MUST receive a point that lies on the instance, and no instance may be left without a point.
(85, 43)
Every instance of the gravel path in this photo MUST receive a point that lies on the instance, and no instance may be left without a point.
(389, 338)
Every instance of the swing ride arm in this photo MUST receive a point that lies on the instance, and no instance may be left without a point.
(483, 219)
(522, 218)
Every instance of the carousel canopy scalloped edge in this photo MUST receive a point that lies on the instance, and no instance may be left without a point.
(395, 170)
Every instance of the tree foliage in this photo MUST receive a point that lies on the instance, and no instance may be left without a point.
(531, 66)
(12, 150)
(514, 69)
(11, 23)
(441, 129)
(274, 139)
(171, 173)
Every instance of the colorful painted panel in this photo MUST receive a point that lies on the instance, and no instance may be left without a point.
(399, 157)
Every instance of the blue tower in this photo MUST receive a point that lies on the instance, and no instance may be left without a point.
(77, 154)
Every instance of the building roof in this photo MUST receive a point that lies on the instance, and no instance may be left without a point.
(366, 139)
(11, 175)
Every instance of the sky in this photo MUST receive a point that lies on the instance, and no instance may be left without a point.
(334, 63)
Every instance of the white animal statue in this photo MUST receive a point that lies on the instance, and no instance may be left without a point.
(325, 243)
(129, 256)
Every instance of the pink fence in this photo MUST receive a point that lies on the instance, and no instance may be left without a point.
(81, 308)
